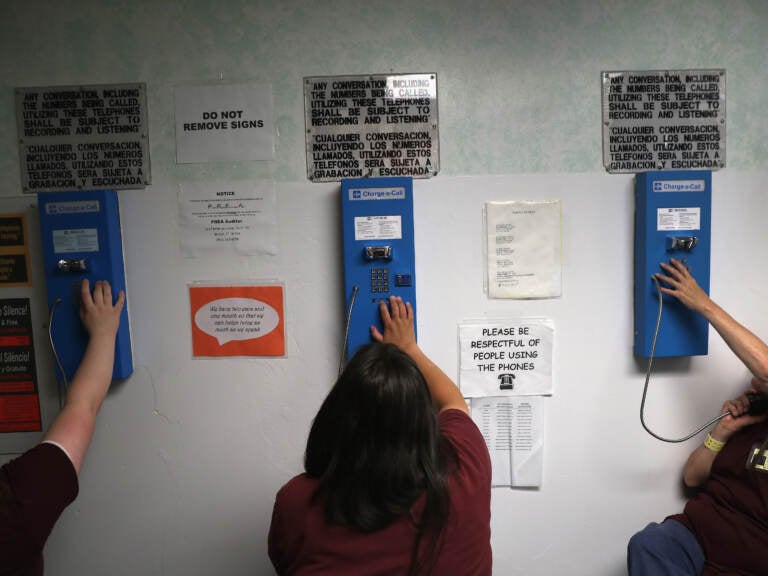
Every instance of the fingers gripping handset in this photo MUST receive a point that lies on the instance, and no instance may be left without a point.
(736, 414)
(745, 410)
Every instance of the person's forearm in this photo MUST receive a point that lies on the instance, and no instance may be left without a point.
(698, 466)
(92, 379)
(445, 394)
(73, 428)
(750, 349)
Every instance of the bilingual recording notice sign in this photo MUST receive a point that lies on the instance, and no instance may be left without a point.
(379, 125)
(663, 120)
(83, 137)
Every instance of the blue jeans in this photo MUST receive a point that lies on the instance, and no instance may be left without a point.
(666, 549)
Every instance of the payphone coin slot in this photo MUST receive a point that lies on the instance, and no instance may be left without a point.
(378, 252)
(76, 265)
(686, 243)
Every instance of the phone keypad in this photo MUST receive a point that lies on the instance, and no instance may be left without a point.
(379, 280)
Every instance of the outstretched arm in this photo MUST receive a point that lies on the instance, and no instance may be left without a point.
(73, 427)
(699, 464)
(398, 330)
(750, 349)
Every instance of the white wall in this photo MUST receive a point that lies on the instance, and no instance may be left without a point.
(188, 453)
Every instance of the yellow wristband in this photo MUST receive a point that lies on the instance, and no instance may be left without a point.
(712, 444)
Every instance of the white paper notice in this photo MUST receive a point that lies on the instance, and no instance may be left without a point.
(512, 429)
(224, 123)
(239, 217)
(378, 227)
(686, 218)
(506, 358)
(524, 244)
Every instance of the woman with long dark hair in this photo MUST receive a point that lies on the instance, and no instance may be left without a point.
(397, 476)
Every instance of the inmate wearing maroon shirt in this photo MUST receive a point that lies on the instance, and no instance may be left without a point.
(34, 490)
(729, 517)
(302, 543)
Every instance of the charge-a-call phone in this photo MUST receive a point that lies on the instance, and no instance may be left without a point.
(673, 212)
(379, 258)
(81, 238)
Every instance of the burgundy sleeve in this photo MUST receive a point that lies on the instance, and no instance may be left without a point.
(43, 482)
(275, 543)
(291, 505)
(465, 436)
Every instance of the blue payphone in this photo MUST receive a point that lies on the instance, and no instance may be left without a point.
(673, 220)
(673, 212)
(81, 238)
(379, 259)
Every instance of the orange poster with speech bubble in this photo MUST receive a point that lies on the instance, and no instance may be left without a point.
(237, 320)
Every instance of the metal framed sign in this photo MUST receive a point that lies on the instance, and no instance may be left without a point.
(663, 120)
(83, 137)
(378, 125)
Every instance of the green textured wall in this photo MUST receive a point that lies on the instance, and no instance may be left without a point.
(519, 82)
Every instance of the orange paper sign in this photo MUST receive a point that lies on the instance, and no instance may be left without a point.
(237, 320)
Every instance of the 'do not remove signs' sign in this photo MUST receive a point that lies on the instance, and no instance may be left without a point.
(379, 125)
(663, 120)
(224, 123)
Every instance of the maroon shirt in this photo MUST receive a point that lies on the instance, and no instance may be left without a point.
(36, 487)
(302, 543)
(729, 516)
